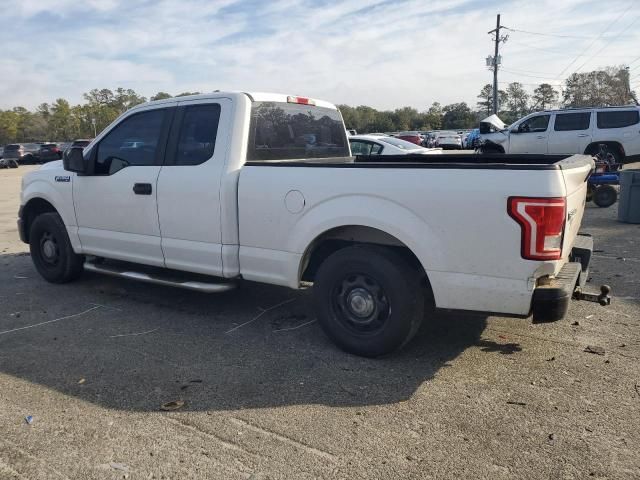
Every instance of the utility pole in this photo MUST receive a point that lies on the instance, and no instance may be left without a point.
(496, 60)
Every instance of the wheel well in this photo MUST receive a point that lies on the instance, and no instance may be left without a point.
(33, 208)
(490, 147)
(341, 237)
(594, 147)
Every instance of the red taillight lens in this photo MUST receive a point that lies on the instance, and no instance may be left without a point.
(55, 149)
(542, 221)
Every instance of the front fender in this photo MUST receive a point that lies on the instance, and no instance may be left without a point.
(61, 199)
(368, 211)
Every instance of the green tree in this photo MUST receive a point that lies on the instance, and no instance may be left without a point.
(60, 121)
(8, 127)
(485, 104)
(458, 115)
(517, 99)
(160, 96)
(599, 88)
(544, 97)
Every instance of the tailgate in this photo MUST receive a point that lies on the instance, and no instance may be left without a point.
(576, 171)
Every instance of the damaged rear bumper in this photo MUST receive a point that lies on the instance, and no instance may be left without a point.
(551, 297)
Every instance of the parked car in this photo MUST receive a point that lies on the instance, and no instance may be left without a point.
(14, 152)
(7, 162)
(81, 142)
(377, 145)
(568, 131)
(449, 141)
(413, 137)
(230, 192)
(48, 152)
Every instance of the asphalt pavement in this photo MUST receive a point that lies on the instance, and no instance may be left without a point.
(261, 393)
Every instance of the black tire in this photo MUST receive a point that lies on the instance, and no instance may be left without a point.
(369, 300)
(13, 164)
(51, 250)
(605, 196)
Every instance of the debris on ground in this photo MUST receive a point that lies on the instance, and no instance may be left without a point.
(81, 381)
(552, 436)
(551, 359)
(522, 404)
(29, 419)
(576, 323)
(170, 406)
(119, 466)
(594, 349)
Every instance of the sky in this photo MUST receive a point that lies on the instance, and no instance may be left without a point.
(385, 54)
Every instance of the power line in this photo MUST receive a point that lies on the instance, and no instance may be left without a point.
(595, 40)
(607, 43)
(519, 70)
(547, 34)
(559, 52)
(533, 84)
(526, 75)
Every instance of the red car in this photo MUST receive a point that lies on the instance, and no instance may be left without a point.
(413, 137)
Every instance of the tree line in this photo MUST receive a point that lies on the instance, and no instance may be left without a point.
(60, 121)
(598, 88)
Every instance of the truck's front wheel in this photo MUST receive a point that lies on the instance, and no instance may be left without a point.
(51, 249)
(370, 301)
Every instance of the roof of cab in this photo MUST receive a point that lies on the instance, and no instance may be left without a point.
(254, 96)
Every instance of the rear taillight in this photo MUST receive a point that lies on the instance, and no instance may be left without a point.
(55, 149)
(542, 222)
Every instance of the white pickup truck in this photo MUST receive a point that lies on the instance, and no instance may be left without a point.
(204, 191)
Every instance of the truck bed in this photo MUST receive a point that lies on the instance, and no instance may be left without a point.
(459, 161)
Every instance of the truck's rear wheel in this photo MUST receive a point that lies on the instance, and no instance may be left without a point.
(605, 196)
(370, 302)
(51, 249)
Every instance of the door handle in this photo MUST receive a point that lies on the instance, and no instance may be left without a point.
(541, 137)
(142, 189)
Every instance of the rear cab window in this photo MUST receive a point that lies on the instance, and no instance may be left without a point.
(288, 131)
(618, 118)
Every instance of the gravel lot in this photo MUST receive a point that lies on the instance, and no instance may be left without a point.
(267, 396)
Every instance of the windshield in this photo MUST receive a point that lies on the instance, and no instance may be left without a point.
(283, 131)
(399, 143)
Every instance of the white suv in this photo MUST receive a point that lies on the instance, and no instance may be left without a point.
(569, 131)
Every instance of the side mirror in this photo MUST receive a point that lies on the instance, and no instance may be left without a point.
(73, 160)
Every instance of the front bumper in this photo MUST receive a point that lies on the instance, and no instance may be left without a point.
(551, 298)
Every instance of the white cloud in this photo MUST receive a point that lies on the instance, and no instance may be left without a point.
(385, 54)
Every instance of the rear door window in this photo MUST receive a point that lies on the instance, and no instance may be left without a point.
(572, 121)
(284, 131)
(618, 118)
(197, 139)
(360, 148)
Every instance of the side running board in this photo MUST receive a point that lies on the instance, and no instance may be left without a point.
(161, 278)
